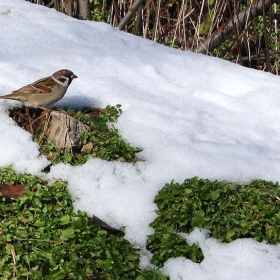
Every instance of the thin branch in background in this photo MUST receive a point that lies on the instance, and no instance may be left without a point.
(184, 25)
(266, 40)
(157, 22)
(122, 7)
(138, 22)
(178, 23)
(116, 12)
(198, 25)
(110, 16)
(219, 15)
(142, 20)
(147, 19)
(247, 37)
(276, 37)
(262, 57)
(235, 25)
(212, 14)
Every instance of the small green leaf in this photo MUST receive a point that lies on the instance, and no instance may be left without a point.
(68, 233)
(37, 202)
(64, 220)
(39, 223)
(78, 223)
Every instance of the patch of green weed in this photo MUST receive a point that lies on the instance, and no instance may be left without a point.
(228, 210)
(41, 237)
(104, 139)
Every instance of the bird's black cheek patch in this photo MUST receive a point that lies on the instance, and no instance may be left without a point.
(62, 79)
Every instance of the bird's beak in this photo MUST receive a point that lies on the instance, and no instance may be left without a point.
(74, 76)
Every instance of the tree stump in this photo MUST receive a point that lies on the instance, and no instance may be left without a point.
(64, 131)
(56, 126)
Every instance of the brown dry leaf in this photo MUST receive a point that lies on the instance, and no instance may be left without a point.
(52, 181)
(221, 27)
(98, 222)
(7, 12)
(9, 190)
(87, 146)
(93, 111)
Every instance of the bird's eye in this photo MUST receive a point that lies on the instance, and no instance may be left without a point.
(62, 79)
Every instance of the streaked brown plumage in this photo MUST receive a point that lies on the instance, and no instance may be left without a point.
(44, 92)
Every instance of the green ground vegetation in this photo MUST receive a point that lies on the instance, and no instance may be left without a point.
(42, 237)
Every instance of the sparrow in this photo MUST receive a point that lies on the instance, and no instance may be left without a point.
(43, 92)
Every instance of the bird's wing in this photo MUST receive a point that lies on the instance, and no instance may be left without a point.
(44, 85)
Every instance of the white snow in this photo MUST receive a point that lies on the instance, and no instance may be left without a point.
(193, 115)
(241, 259)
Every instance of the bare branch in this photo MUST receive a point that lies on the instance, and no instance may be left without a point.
(238, 21)
(130, 14)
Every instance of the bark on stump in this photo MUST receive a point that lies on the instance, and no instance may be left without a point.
(64, 131)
